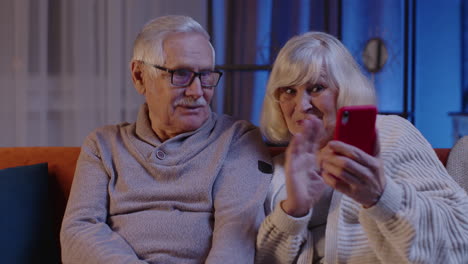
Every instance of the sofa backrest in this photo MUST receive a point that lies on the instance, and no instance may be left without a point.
(62, 163)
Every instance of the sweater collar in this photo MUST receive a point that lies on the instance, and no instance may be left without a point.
(146, 133)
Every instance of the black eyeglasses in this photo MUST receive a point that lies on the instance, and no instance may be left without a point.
(184, 77)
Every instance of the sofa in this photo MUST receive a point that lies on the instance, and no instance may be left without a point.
(61, 163)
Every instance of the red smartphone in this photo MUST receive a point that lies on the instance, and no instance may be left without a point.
(355, 125)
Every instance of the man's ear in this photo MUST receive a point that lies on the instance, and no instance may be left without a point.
(137, 77)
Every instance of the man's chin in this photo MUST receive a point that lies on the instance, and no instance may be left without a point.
(191, 123)
(192, 118)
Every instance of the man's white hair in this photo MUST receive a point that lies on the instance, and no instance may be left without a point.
(148, 45)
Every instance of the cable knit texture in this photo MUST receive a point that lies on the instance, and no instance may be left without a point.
(421, 217)
(197, 197)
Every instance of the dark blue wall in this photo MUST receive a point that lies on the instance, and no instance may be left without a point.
(431, 29)
(438, 68)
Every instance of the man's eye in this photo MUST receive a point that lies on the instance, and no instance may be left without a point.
(206, 73)
(182, 73)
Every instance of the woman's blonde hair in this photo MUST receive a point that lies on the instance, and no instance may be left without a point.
(300, 61)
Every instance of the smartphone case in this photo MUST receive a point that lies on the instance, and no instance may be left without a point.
(355, 125)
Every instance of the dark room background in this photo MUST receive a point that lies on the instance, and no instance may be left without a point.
(65, 64)
(412, 50)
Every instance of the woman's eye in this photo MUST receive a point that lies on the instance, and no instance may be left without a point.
(286, 90)
(289, 91)
(286, 93)
(317, 88)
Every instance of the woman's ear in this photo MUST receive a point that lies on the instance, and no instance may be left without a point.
(137, 77)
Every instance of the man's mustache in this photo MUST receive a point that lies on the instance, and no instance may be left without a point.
(190, 102)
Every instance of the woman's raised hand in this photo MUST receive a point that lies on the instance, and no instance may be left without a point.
(304, 185)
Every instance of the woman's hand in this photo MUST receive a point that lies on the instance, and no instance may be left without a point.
(353, 172)
(304, 185)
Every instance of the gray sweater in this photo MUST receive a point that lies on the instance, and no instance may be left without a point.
(196, 197)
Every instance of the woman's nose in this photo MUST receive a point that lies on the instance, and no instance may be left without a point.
(303, 102)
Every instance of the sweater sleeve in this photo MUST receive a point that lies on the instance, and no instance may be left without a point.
(281, 237)
(422, 216)
(85, 236)
(239, 192)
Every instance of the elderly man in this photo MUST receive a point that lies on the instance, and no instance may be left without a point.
(182, 184)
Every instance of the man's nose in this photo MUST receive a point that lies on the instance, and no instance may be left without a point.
(194, 89)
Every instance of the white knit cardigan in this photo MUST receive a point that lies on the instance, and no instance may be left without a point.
(422, 216)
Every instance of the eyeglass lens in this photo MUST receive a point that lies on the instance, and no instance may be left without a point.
(185, 77)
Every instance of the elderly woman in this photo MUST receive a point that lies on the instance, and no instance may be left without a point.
(330, 202)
